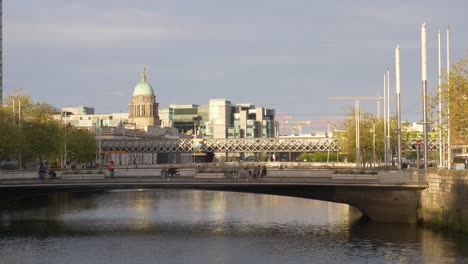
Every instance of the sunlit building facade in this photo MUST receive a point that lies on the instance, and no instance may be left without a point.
(220, 118)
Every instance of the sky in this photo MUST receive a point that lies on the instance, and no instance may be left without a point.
(289, 55)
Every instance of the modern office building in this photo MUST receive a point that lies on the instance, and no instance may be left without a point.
(221, 119)
(80, 110)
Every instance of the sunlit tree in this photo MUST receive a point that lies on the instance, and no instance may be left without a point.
(28, 133)
(366, 137)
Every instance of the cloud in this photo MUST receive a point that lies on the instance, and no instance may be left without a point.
(117, 27)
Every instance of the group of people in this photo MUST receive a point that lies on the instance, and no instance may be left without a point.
(169, 172)
(44, 171)
(257, 173)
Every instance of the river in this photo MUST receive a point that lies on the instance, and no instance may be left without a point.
(194, 226)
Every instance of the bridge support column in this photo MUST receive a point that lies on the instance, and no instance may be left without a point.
(383, 205)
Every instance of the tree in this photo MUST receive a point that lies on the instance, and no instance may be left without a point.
(29, 133)
(454, 94)
(366, 136)
(81, 145)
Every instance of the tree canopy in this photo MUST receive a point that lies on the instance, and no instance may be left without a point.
(28, 133)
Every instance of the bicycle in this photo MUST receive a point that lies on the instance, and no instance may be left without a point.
(231, 174)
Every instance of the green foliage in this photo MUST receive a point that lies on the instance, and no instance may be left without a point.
(27, 129)
(454, 96)
(366, 137)
(318, 157)
(306, 157)
(81, 145)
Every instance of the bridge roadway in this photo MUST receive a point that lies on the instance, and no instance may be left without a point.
(281, 144)
(388, 197)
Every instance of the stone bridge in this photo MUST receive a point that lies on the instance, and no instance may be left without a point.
(389, 196)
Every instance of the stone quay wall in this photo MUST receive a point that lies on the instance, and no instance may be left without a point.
(444, 203)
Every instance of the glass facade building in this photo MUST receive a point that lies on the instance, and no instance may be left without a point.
(220, 118)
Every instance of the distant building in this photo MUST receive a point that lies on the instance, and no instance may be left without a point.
(143, 106)
(143, 116)
(218, 119)
(221, 119)
(80, 110)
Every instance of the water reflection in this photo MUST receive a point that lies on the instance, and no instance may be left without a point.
(177, 226)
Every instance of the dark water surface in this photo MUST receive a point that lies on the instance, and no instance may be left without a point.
(192, 226)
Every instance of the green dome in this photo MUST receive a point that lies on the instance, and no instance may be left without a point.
(143, 88)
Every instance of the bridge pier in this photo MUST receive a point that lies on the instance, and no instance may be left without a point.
(379, 203)
(392, 205)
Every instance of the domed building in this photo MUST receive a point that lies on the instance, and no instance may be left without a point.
(143, 106)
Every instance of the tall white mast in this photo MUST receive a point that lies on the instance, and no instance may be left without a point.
(424, 89)
(385, 118)
(397, 84)
(439, 130)
(449, 146)
(389, 148)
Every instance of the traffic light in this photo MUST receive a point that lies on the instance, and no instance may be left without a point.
(402, 151)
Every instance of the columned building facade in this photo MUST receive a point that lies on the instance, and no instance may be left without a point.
(143, 106)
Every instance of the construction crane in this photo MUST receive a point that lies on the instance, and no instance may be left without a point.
(298, 125)
(283, 118)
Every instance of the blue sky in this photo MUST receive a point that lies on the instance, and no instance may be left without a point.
(287, 55)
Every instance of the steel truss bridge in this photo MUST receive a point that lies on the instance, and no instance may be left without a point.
(299, 144)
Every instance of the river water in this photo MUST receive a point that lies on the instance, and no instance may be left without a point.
(193, 226)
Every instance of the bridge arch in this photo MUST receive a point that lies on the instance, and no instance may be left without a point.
(379, 203)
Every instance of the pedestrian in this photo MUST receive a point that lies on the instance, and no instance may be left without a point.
(264, 172)
(111, 169)
(256, 172)
(163, 174)
(42, 171)
(246, 173)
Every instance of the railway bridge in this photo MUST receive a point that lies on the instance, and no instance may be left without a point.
(246, 145)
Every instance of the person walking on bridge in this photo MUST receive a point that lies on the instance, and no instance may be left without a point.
(42, 171)
(111, 169)
(263, 172)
